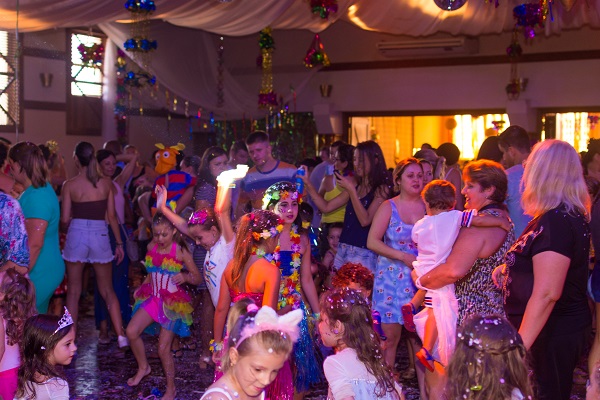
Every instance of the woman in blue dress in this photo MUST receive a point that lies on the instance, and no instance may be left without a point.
(390, 238)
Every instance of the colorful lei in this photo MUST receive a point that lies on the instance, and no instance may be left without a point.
(289, 287)
(272, 258)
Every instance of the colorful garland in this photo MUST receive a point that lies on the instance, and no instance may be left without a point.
(278, 196)
(265, 234)
(272, 258)
(289, 288)
(92, 55)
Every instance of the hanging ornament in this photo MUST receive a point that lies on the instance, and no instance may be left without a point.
(91, 55)
(267, 97)
(515, 85)
(220, 70)
(527, 16)
(140, 6)
(593, 121)
(324, 7)
(450, 5)
(316, 54)
(139, 43)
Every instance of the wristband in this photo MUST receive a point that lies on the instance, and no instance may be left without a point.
(214, 346)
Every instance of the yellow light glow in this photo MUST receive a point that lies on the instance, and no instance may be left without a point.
(352, 15)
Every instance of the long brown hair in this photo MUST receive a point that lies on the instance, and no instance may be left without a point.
(253, 223)
(32, 161)
(489, 361)
(86, 156)
(352, 309)
(17, 305)
(39, 340)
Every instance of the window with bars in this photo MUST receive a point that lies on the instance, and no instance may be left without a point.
(9, 88)
(86, 80)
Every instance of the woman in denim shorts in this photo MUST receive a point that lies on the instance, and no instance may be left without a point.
(88, 200)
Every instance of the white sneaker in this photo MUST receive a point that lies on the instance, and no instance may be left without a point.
(123, 342)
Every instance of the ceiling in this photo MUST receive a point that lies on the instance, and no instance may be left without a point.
(238, 18)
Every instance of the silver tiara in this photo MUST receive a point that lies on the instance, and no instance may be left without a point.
(65, 321)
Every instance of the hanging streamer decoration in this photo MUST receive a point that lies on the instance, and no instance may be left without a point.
(451, 5)
(514, 51)
(324, 7)
(121, 101)
(92, 55)
(528, 16)
(316, 54)
(220, 69)
(141, 46)
(267, 98)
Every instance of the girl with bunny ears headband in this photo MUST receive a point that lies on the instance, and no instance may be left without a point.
(258, 346)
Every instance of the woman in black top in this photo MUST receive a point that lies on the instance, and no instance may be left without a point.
(545, 275)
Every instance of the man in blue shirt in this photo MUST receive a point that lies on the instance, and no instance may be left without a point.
(515, 146)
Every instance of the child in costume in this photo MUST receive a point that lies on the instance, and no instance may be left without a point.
(252, 273)
(489, 361)
(161, 300)
(47, 341)
(434, 235)
(358, 369)
(17, 303)
(258, 346)
(295, 265)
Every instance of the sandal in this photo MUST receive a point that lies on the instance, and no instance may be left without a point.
(177, 353)
(408, 311)
(424, 357)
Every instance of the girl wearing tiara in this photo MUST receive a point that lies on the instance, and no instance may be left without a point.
(296, 278)
(258, 346)
(17, 303)
(161, 300)
(358, 369)
(47, 342)
(489, 361)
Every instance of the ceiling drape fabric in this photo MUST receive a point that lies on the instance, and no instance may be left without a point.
(245, 17)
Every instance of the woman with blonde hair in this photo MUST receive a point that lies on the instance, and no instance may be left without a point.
(545, 276)
(42, 215)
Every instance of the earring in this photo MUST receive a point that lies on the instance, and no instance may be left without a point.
(335, 331)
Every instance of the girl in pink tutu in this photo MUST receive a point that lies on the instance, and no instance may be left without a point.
(161, 302)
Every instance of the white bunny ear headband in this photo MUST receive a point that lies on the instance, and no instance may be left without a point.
(266, 319)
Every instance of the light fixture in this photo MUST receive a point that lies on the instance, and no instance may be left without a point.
(46, 79)
(325, 89)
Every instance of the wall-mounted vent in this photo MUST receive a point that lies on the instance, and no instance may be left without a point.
(429, 47)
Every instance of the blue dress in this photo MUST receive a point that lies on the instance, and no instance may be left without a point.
(307, 371)
(393, 285)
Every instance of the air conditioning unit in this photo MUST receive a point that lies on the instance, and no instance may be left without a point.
(438, 47)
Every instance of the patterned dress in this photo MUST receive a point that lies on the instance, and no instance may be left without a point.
(476, 292)
(393, 285)
(167, 303)
(13, 235)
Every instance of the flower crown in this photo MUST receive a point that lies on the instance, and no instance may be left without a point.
(281, 195)
(265, 233)
(198, 217)
(266, 319)
(65, 321)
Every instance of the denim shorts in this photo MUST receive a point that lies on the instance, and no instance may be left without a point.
(358, 255)
(88, 242)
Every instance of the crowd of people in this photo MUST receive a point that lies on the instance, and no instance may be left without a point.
(283, 276)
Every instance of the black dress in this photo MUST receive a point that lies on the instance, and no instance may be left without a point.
(555, 352)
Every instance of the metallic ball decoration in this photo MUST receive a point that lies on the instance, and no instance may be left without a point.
(450, 5)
